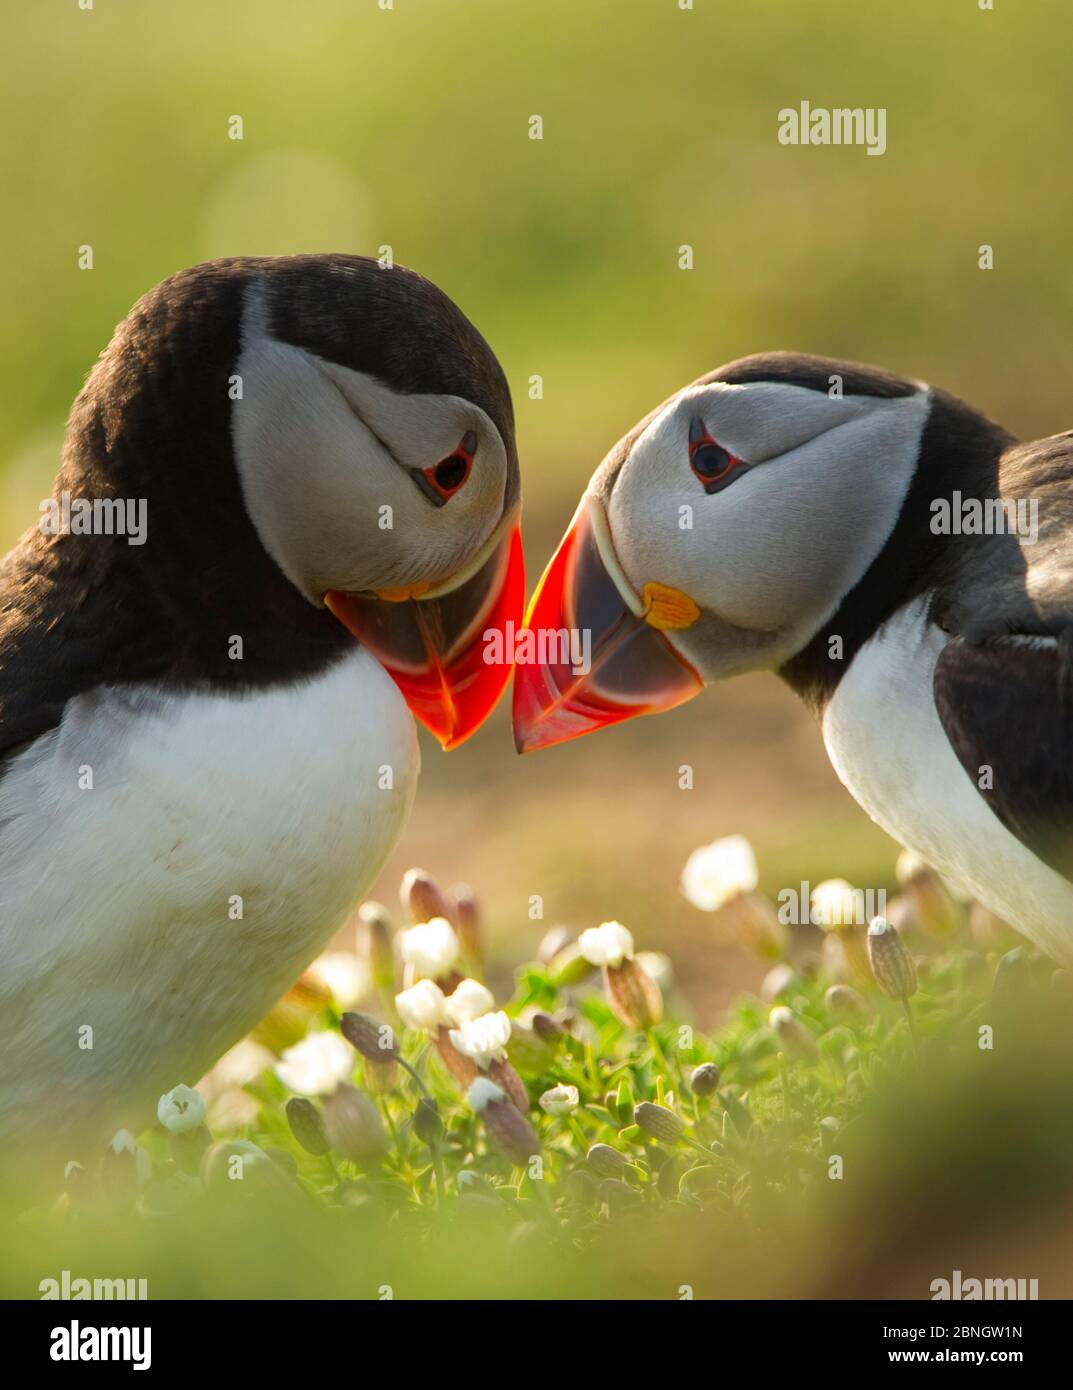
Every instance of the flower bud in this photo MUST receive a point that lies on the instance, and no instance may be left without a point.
(353, 1125)
(830, 1129)
(633, 995)
(551, 943)
(475, 1184)
(780, 979)
(462, 911)
(546, 1028)
(792, 1035)
(422, 896)
(936, 908)
(125, 1165)
(307, 1126)
(181, 1109)
(559, 1100)
(508, 1080)
(507, 1128)
(238, 1166)
(892, 965)
(755, 924)
(375, 1041)
(845, 1002)
(375, 943)
(427, 1123)
(607, 1162)
(704, 1080)
(659, 1122)
(464, 1069)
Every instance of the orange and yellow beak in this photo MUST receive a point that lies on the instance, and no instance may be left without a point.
(438, 644)
(585, 607)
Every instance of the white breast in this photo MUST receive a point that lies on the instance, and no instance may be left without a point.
(886, 743)
(119, 901)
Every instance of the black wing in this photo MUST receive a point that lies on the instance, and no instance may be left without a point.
(1007, 708)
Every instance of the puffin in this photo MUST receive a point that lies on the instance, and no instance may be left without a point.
(903, 563)
(207, 713)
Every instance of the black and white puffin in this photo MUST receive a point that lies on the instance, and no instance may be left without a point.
(901, 561)
(206, 748)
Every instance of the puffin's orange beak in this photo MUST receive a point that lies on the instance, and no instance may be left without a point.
(449, 651)
(585, 608)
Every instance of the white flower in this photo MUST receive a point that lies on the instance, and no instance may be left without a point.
(316, 1065)
(560, 1100)
(468, 1001)
(181, 1109)
(836, 903)
(422, 1005)
(123, 1142)
(483, 1092)
(608, 944)
(717, 872)
(431, 948)
(483, 1039)
(346, 975)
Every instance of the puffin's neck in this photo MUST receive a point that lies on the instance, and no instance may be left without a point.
(153, 424)
(959, 452)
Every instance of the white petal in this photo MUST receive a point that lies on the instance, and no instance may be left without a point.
(715, 873)
(316, 1065)
(431, 948)
(422, 1005)
(469, 1000)
(608, 944)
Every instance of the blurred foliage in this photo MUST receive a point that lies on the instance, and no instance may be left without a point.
(864, 1160)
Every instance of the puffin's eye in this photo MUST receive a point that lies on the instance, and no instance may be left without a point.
(712, 465)
(440, 482)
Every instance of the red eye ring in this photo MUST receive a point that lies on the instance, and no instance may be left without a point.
(445, 478)
(712, 465)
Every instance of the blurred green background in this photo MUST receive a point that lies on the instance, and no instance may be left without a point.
(409, 127)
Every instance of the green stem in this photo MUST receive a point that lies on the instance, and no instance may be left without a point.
(912, 1025)
(413, 1072)
(437, 1168)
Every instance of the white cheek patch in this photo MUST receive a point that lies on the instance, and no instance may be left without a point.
(777, 550)
(323, 454)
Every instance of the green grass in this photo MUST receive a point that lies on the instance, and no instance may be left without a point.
(797, 1176)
